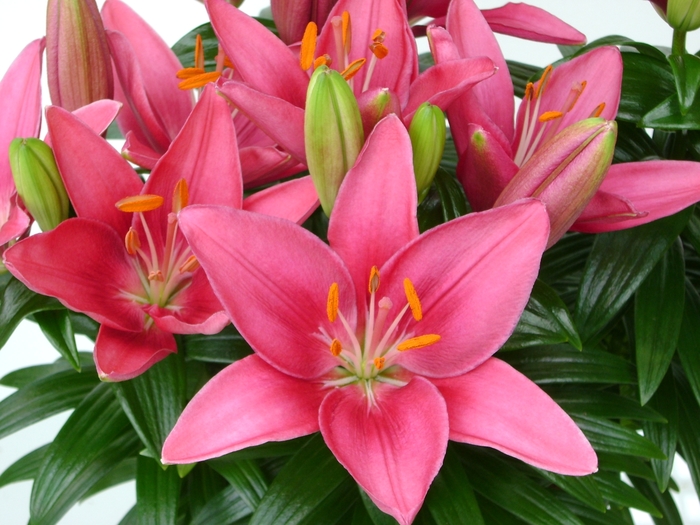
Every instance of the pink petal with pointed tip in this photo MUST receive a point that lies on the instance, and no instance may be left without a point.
(532, 23)
(496, 406)
(294, 200)
(246, 404)
(156, 62)
(484, 169)
(375, 211)
(393, 449)
(121, 355)
(442, 45)
(262, 59)
(472, 291)
(17, 221)
(607, 207)
(282, 121)
(84, 264)
(261, 165)
(473, 37)
(94, 182)
(443, 83)
(137, 152)
(97, 116)
(273, 279)
(658, 188)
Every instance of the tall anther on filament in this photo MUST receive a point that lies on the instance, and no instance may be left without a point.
(161, 280)
(372, 356)
(197, 77)
(551, 120)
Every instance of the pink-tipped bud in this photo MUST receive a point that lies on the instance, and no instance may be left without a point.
(375, 104)
(78, 62)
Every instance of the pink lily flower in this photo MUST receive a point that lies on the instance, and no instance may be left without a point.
(630, 193)
(136, 274)
(272, 90)
(340, 334)
(20, 109)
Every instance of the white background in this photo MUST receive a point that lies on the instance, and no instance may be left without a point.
(23, 21)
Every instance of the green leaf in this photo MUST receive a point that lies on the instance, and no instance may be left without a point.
(184, 48)
(43, 398)
(94, 439)
(157, 493)
(225, 347)
(617, 491)
(26, 467)
(545, 321)
(689, 339)
(454, 202)
(661, 500)
(425, 61)
(24, 376)
(17, 302)
(622, 463)
(583, 488)
(203, 483)
(225, 508)
(494, 514)
(246, 477)
(617, 265)
(562, 364)
(688, 425)
(123, 472)
(602, 404)
(587, 514)
(608, 436)
(271, 449)
(667, 116)
(56, 326)
(521, 74)
(512, 490)
(376, 515)
(657, 329)
(664, 435)
(633, 144)
(692, 229)
(566, 257)
(311, 488)
(130, 518)
(82, 324)
(686, 72)
(154, 400)
(646, 82)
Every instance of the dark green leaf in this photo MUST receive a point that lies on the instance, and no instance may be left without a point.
(425, 61)
(617, 491)
(692, 229)
(184, 48)
(376, 515)
(667, 116)
(646, 82)
(157, 492)
(454, 202)
(583, 488)
(225, 508)
(602, 404)
(545, 321)
(154, 400)
(688, 425)
(657, 329)
(123, 472)
(633, 144)
(311, 488)
(661, 500)
(82, 324)
(617, 265)
(225, 347)
(566, 257)
(268, 450)
(564, 364)
(622, 463)
(17, 302)
(246, 477)
(664, 435)
(56, 326)
(26, 467)
(608, 436)
(203, 483)
(496, 515)
(130, 518)
(587, 514)
(689, 339)
(24, 376)
(686, 72)
(449, 155)
(94, 439)
(521, 74)
(43, 398)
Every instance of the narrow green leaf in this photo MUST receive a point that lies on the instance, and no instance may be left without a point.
(84, 325)
(123, 472)
(425, 61)
(203, 483)
(43, 398)
(611, 437)
(26, 467)
(377, 516)
(545, 321)
(661, 500)
(271, 449)
(588, 515)
(646, 82)
(688, 425)
(496, 515)
(310, 485)
(583, 488)
(24, 376)
(521, 74)
(157, 493)
(667, 116)
(225, 347)
(686, 72)
(246, 477)
(689, 339)
(623, 463)
(664, 435)
(94, 439)
(130, 518)
(657, 329)
(617, 265)
(564, 364)
(184, 48)
(602, 404)
(17, 302)
(154, 400)
(454, 202)
(225, 508)
(692, 229)
(566, 257)
(617, 491)
(56, 326)
(633, 144)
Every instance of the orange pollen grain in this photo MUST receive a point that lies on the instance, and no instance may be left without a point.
(181, 195)
(598, 111)
(308, 46)
(336, 348)
(380, 50)
(379, 362)
(132, 241)
(199, 81)
(413, 301)
(190, 265)
(373, 279)
(139, 203)
(332, 304)
(323, 60)
(550, 115)
(418, 342)
(156, 275)
(353, 68)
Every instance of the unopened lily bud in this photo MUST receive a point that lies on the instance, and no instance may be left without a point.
(38, 182)
(427, 132)
(566, 172)
(375, 104)
(332, 133)
(78, 61)
(683, 15)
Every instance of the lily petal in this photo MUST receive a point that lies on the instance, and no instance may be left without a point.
(246, 404)
(260, 165)
(393, 449)
(97, 116)
(496, 406)
(137, 152)
(273, 279)
(532, 23)
(294, 200)
(121, 355)
(17, 221)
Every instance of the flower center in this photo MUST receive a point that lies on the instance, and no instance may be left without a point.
(197, 77)
(161, 279)
(530, 136)
(371, 357)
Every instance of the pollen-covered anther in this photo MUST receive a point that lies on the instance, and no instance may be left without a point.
(379, 362)
(156, 275)
(199, 80)
(418, 342)
(132, 241)
(378, 36)
(140, 203)
(598, 111)
(550, 115)
(336, 348)
(332, 304)
(379, 50)
(373, 279)
(347, 31)
(189, 72)
(323, 60)
(181, 195)
(308, 46)
(353, 68)
(190, 265)
(543, 81)
(413, 300)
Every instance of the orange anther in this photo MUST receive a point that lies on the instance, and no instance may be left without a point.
(379, 362)
(598, 111)
(198, 52)
(189, 72)
(550, 115)
(529, 88)
(308, 46)
(418, 342)
(132, 241)
(181, 195)
(373, 279)
(323, 60)
(353, 68)
(543, 81)
(413, 301)
(139, 203)
(199, 80)
(332, 304)
(336, 348)
(380, 50)
(347, 28)
(190, 265)
(378, 36)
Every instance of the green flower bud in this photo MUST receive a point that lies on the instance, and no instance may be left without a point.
(683, 15)
(38, 182)
(332, 133)
(427, 132)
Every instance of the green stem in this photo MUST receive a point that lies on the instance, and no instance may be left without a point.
(678, 46)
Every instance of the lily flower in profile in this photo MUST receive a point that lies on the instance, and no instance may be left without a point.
(383, 340)
(136, 274)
